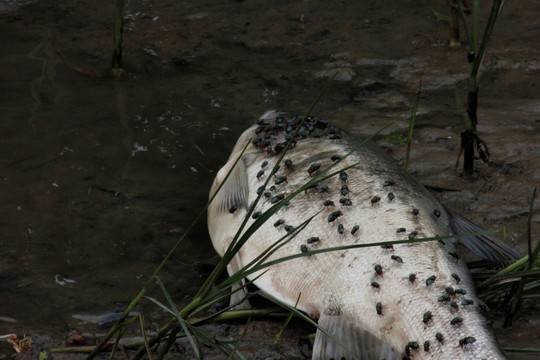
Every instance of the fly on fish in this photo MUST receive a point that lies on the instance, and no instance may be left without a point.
(378, 302)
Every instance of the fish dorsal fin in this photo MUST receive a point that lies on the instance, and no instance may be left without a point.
(235, 190)
(360, 343)
(486, 246)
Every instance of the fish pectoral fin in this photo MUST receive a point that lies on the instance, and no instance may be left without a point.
(238, 296)
(486, 246)
(235, 190)
(356, 343)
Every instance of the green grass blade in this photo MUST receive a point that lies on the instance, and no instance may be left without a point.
(496, 8)
(242, 314)
(235, 350)
(356, 246)
(145, 339)
(278, 336)
(513, 267)
(217, 294)
(474, 31)
(174, 311)
(411, 124)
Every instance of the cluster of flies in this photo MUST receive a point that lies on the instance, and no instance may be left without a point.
(272, 137)
(269, 133)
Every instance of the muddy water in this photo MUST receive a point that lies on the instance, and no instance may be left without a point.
(100, 175)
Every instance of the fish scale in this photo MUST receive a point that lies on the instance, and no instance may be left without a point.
(337, 288)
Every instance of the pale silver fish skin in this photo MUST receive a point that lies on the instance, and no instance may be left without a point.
(339, 284)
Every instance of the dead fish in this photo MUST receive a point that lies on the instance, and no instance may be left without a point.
(336, 288)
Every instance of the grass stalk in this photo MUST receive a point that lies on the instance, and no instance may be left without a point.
(237, 344)
(232, 315)
(469, 138)
(116, 342)
(145, 339)
(278, 336)
(174, 311)
(411, 124)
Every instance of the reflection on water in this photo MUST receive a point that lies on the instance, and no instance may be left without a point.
(101, 176)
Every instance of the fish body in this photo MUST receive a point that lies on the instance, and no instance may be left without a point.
(381, 302)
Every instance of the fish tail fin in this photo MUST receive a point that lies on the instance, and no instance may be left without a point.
(356, 343)
(486, 246)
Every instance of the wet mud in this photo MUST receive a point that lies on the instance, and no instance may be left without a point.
(101, 174)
